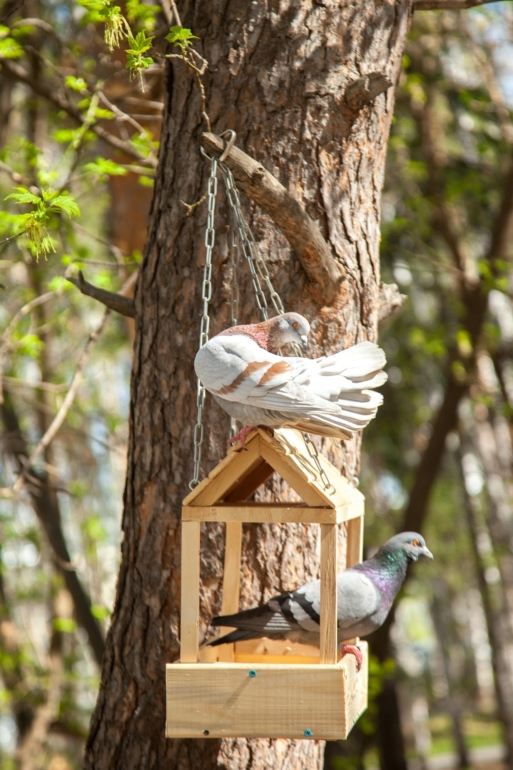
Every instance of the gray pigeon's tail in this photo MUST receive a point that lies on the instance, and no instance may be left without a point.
(238, 635)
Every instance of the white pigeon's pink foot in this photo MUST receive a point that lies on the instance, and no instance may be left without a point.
(352, 649)
(241, 435)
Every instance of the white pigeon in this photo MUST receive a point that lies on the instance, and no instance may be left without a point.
(328, 396)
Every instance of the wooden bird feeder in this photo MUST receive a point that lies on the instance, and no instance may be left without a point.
(265, 688)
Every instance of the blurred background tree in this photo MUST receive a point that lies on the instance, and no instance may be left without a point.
(78, 148)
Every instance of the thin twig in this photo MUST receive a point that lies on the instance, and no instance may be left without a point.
(53, 96)
(448, 5)
(124, 116)
(59, 418)
(18, 178)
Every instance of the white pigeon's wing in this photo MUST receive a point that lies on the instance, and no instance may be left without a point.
(237, 369)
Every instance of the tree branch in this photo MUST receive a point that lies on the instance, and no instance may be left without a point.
(54, 97)
(46, 507)
(303, 234)
(117, 302)
(390, 300)
(59, 418)
(447, 5)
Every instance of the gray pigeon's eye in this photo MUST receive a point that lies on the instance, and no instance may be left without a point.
(295, 325)
(415, 542)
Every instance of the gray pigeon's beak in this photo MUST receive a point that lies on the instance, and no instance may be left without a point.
(304, 341)
(427, 552)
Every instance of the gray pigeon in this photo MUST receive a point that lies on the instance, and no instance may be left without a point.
(365, 594)
(328, 396)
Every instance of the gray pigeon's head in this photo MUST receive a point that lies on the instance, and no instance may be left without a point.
(290, 327)
(411, 543)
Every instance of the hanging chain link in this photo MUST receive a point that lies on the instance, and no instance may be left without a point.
(206, 295)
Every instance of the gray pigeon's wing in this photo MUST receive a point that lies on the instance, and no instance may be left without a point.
(357, 598)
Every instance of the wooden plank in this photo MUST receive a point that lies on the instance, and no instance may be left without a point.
(351, 510)
(231, 581)
(295, 477)
(241, 464)
(328, 641)
(279, 701)
(354, 551)
(250, 483)
(217, 470)
(260, 513)
(190, 576)
(291, 443)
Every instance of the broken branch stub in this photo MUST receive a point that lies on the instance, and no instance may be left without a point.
(303, 234)
(364, 90)
(117, 302)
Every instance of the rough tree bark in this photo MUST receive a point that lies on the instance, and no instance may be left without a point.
(277, 76)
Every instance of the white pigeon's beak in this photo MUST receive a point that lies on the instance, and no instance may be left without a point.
(304, 341)
(427, 552)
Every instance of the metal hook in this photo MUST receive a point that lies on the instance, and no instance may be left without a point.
(206, 155)
(230, 143)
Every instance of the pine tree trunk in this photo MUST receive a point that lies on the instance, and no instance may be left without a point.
(278, 76)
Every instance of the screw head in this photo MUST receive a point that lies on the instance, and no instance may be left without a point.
(206, 732)
(252, 673)
(308, 733)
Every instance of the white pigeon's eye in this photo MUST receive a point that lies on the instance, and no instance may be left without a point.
(295, 325)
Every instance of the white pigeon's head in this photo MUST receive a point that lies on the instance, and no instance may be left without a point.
(289, 327)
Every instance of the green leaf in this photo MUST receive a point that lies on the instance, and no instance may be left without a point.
(67, 204)
(66, 135)
(65, 625)
(59, 283)
(77, 84)
(100, 612)
(180, 36)
(23, 196)
(10, 49)
(139, 44)
(104, 167)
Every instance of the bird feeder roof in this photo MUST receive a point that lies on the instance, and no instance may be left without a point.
(241, 472)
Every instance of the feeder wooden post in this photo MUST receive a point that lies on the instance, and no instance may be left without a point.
(328, 642)
(190, 591)
(231, 581)
(354, 548)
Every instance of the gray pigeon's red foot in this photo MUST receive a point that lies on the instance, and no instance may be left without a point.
(352, 649)
(241, 435)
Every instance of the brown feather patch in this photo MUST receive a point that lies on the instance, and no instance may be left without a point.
(279, 368)
(250, 368)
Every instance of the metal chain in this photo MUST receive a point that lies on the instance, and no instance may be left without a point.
(243, 237)
(258, 270)
(257, 267)
(234, 296)
(312, 451)
(206, 295)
